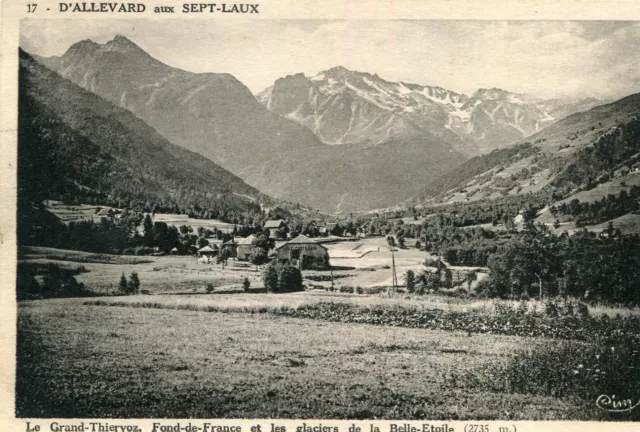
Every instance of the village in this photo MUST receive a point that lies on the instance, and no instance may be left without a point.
(217, 259)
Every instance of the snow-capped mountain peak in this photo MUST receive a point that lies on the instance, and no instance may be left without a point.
(343, 106)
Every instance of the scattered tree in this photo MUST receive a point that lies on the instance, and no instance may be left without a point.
(134, 283)
(259, 257)
(270, 278)
(411, 282)
(123, 286)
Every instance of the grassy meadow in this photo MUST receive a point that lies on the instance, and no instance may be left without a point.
(124, 362)
(183, 352)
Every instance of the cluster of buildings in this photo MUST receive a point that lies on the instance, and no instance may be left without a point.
(301, 252)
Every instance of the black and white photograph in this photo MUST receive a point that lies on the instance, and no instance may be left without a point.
(327, 219)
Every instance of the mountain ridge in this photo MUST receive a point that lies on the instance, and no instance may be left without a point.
(216, 116)
(331, 104)
(73, 144)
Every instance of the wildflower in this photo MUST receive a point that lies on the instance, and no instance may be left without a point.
(575, 372)
(580, 366)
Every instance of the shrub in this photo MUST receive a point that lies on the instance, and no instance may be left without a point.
(375, 290)
(551, 308)
(55, 281)
(289, 280)
(359, 290)
(522, 308)
(210, 288)
(143, 250)
(568, 309)
(582, 309)
(567, 368)
(485, 288)
(315, 263)
(246, 284)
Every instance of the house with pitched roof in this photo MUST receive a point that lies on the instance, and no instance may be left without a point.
(245, 248)
(304, 253)
(231, 246)
(208, 251)
(274, 226)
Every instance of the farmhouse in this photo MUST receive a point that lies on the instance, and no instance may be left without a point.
(245, 248)
(208, 251)
(304, 253)
(108, 212)
(274, 226)
(231, 246)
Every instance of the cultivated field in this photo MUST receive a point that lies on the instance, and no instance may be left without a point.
(78, 212)
(73, 212)
(177, 220)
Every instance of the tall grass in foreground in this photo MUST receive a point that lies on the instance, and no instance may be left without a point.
(569, 369)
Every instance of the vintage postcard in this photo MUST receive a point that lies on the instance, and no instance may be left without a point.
(320, 216)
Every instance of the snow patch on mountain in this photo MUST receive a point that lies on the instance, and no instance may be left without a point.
(490, 118)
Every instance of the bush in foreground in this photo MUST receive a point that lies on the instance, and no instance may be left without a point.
(571, 369)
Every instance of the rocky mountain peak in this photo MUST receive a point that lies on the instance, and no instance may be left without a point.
(122, 44)
(84, 47)
(342, 106)
(337, 70)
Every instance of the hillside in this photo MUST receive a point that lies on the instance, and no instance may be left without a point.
(75, 146)
(586, 165)
(213, 114)
(348, 107)
(216, 116)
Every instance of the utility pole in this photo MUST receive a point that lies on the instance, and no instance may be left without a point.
(331, 270)
(394, 276)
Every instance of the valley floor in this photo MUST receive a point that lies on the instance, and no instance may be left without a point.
(365, 263)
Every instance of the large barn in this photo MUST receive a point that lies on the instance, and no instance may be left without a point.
(304, 253)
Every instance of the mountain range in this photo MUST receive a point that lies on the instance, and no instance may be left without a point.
(216, 116)
(342, 106)
(74, 145)
(342, 140)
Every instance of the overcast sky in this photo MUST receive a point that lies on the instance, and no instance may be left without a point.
(545, 58)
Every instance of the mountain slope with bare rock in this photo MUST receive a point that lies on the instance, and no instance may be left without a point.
(217, 116)
(347, 107)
